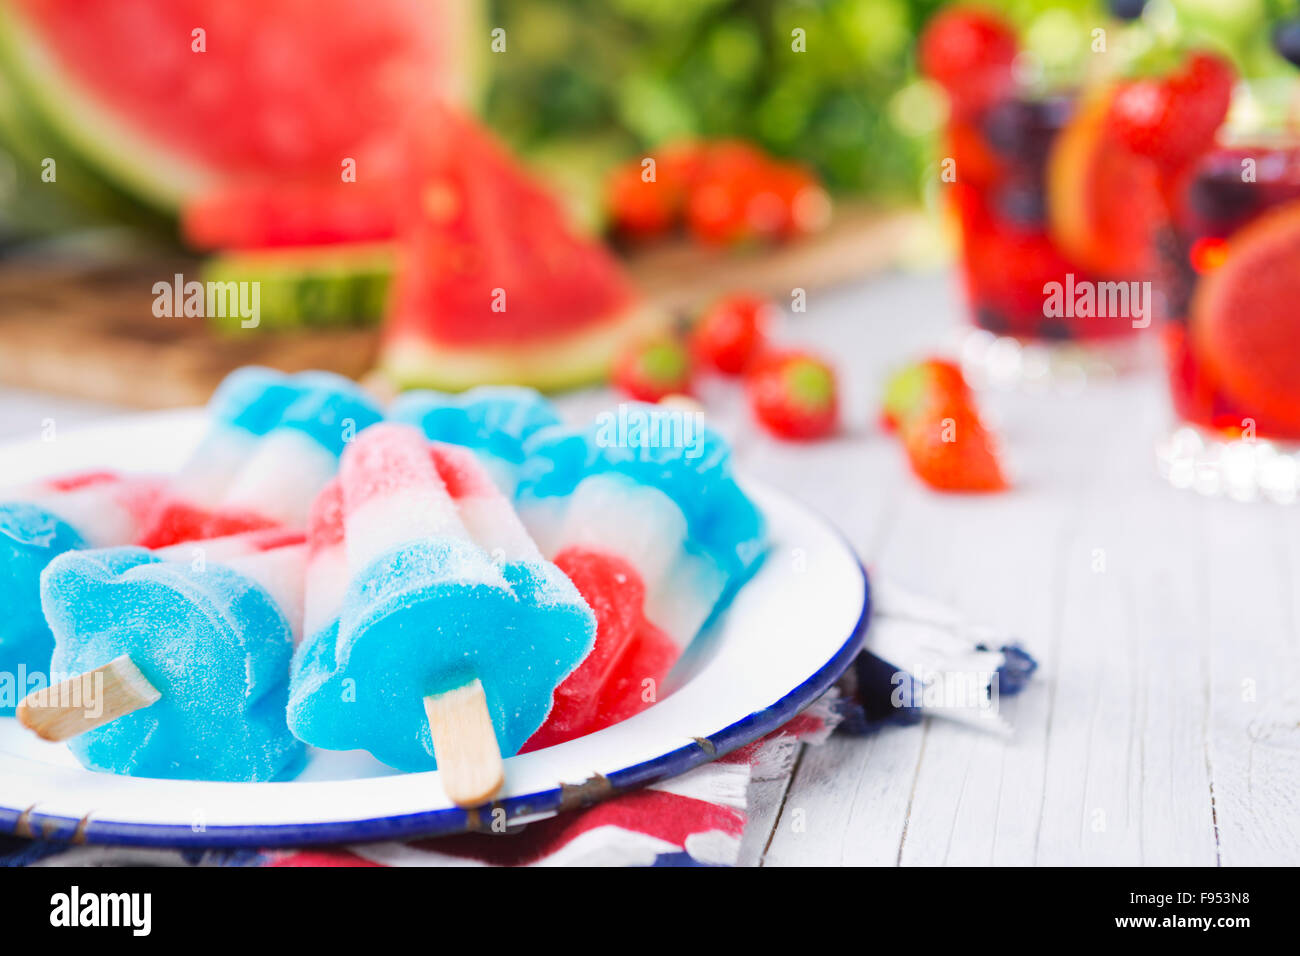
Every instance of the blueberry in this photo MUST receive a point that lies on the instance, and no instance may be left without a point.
(991, 319)
(1055, 330)
(1127, 9)
(1021, 203)
(1219, 198)
(1286, 38)
(1022, 130)
(1174, 277)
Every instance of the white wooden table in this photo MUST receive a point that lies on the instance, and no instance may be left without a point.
(1163, 726)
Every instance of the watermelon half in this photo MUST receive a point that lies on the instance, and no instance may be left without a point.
(493, 283)
(282, 91)
(78, 196)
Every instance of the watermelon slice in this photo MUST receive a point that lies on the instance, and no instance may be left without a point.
(493, 284)
(282, 90)
(261, 215)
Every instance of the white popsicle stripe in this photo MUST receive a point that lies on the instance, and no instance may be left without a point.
(613, 514)
(105, 513)
(281, 477)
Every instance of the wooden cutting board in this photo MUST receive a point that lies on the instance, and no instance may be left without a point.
(89, 330)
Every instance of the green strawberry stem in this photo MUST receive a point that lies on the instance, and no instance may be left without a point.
(809, 385)
(664, 363)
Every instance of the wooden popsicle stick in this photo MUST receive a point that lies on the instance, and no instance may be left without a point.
(465, 745)
(87, 701)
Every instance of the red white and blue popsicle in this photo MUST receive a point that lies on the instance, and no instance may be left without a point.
(37, 522)
(652, 526)
(437, 633)
(274, 442)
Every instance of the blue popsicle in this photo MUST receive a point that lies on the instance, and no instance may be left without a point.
(213, 638)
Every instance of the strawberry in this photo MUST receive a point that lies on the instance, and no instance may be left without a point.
(654, 368)
(726, 191)
(969, 53)
(1172, 119)
(731, 333)
(920, 385)
(1139, 112)
(716, 212)
(786, 201)
(933, 409)
(681, 162)
(727, 177)
(794, 395)
(738, 193)
(950, 450)
(640, 209)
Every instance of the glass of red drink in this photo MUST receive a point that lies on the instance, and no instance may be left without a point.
(1229, 289)
(1057, 216)
(1012, 248)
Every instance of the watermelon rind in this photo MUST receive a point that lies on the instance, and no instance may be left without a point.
(552, 364)
(322, 287)
(156, 175)
(79, 196)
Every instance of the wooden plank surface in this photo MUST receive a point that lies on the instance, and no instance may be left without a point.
(89, 331)
(1164, 724)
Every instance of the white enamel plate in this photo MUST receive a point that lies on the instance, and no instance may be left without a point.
(789, 634)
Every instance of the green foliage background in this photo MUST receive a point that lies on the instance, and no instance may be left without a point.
(591, 79)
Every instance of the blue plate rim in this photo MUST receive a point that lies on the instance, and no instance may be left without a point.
(447, 821)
